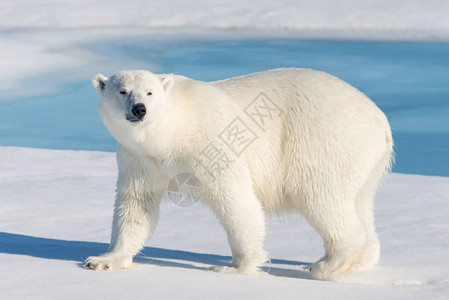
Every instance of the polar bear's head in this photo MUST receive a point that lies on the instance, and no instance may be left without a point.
(130, 99)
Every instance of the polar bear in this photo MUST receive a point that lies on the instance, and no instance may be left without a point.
(279, 141)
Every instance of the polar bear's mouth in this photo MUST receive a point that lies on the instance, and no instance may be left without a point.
(132, 119)
(137, 113)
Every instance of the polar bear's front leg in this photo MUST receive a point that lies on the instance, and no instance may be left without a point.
(134, 218)
(243, 218)
(135, 213)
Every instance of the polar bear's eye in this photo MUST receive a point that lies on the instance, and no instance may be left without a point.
(149, 94)
(123, 92)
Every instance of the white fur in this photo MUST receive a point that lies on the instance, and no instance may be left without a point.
(322, 154)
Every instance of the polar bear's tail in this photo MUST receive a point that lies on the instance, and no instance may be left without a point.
(390, 155)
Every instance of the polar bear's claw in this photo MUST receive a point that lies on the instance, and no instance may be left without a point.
(94, 263)
(106, 263)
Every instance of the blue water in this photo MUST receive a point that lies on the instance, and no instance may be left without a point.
(408, 81)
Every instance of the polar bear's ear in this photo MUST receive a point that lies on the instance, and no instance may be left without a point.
(167, 82)
(99, 82)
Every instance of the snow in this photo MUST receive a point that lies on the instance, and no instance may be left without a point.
(424, 18)
(56, 209)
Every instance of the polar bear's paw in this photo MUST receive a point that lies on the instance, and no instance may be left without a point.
(329, 270)
(107, 262)
(322, 271)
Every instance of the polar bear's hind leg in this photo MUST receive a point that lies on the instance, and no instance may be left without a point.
(343, 234)
(364, 203)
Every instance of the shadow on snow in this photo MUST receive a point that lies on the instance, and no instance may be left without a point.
(78, 251)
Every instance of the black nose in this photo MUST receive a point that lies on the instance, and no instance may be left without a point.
(139, 111)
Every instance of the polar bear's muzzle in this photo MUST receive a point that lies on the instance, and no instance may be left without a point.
(137, 113)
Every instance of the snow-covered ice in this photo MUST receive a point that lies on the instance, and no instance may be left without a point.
(56, 209)
(401, 18)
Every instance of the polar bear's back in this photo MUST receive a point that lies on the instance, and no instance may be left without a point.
(312, 93)
(293, 85)
(331, 135)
